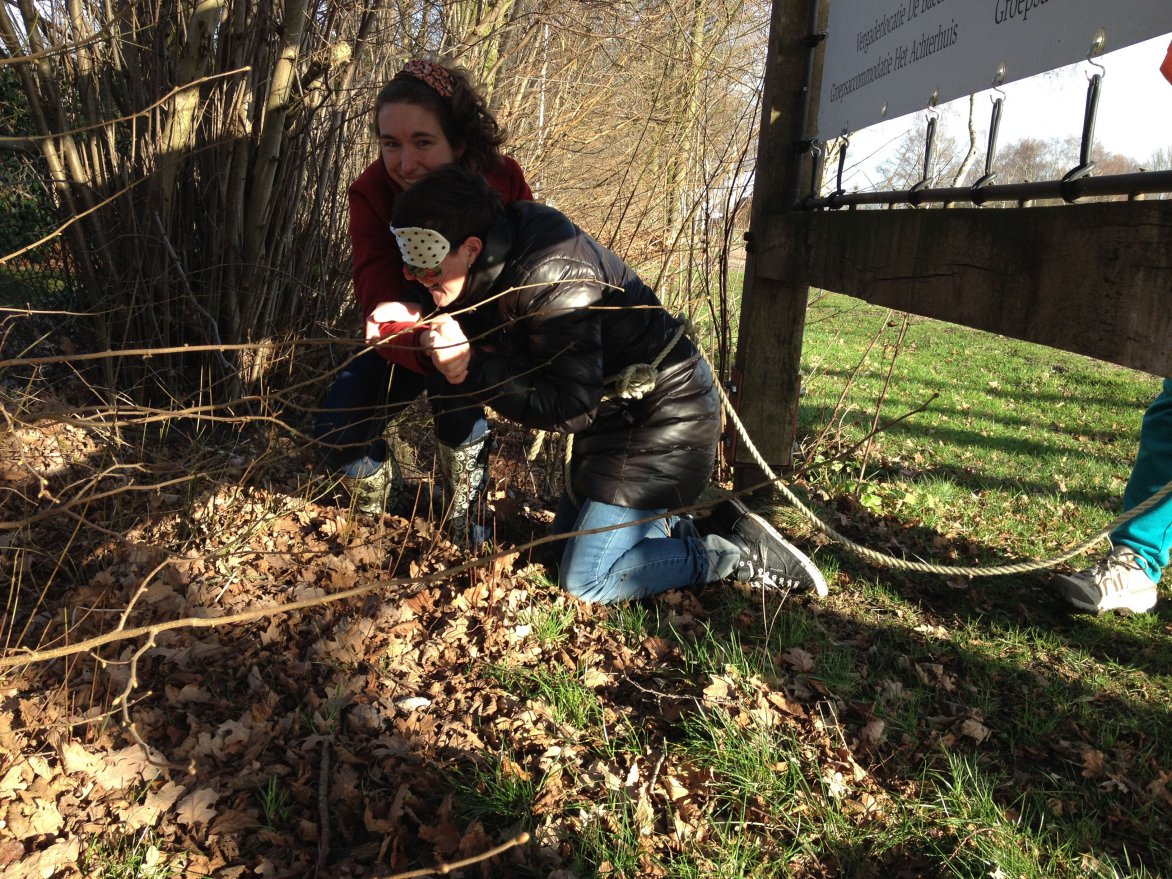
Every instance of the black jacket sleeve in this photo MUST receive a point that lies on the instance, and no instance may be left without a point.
(546, 373)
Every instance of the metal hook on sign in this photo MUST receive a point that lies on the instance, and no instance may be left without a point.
(929, 150)
(1088, 138)
(815, 159)
(844, 142)
(1098, 43)
(994, 127)
(990, 152)
(999, 78)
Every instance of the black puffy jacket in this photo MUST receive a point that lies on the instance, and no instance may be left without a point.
(551, 314)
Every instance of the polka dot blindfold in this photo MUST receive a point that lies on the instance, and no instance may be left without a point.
(423, 250)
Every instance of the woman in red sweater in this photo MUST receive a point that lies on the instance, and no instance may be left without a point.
(428, 116)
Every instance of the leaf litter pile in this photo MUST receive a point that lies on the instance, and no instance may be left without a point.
(401, 717)
(298, 690)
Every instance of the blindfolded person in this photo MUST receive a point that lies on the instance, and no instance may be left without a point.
(534, 317)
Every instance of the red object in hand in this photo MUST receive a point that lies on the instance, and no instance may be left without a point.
(405, 346)
(394, 327)
(1166, 67)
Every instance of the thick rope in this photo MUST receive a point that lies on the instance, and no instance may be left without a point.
(890, 561)
(639, 379)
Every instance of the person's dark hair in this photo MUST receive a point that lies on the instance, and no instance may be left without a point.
(464, 115)
(452, 200)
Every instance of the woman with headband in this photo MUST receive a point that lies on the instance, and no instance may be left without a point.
(428, 116)
(555, 332)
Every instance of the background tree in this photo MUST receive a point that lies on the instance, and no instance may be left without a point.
(199, 150)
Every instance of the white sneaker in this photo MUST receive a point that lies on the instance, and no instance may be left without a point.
(1118, 582)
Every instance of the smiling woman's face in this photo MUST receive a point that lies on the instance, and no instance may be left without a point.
(412, 142)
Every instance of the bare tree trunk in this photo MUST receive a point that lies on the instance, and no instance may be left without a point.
(970, 156)
(208, 191)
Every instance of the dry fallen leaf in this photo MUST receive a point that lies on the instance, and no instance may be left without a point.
(798, 659)
(718, 690)
(196, 807)
(153, 807)
(121, 769)
(975, 730)
(873, 733)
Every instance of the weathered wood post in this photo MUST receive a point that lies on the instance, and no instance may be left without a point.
(773, 309)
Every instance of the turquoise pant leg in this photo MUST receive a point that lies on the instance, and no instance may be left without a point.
(1150, 534)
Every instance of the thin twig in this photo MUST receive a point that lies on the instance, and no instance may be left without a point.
(323, 806)
(447, 867)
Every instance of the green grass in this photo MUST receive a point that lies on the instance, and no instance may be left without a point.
(562, 691)
(275, 803)
(499, 792)
(125, 856)
(1018, 738)
(1014, 436)
(549, 623)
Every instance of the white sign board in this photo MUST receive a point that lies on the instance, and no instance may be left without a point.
(886, 58)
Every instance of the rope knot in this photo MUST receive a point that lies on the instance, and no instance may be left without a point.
(636, 381)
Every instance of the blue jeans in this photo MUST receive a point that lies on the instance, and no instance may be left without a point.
(367, 394)
(1150, 534)
(626, 563)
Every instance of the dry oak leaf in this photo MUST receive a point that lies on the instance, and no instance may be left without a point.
(10, 851)
(718, 690)
(155, 805)
(443, 835)
(594, 678)
(798, 659)
(61, 855)
(873, 733)
(1158, 789)
(14, 779)
(1092, 761)
(40, 818)
(975, 730)
(196, 807)
(123, 768)
(658, 647)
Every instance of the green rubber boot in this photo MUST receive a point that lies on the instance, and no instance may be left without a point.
(465, 472)
(384, 491)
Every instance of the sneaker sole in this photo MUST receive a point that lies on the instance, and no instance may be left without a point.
(1073, 591)
(749, 526)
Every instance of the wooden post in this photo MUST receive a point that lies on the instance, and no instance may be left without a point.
(773, 310)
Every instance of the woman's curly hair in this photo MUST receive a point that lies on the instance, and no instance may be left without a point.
(464, 117)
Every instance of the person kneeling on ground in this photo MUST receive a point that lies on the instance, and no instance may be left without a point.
(536, 318)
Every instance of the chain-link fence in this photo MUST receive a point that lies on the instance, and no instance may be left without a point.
(31, 274)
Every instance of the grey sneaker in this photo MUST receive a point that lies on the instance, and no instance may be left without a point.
(768, 560)
(1118, 582)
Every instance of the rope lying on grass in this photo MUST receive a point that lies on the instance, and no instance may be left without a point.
(890, 561)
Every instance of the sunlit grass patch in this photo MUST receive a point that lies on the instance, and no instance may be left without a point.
(563, 691)
(549, 623)
(131, 855)
(499, 791)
